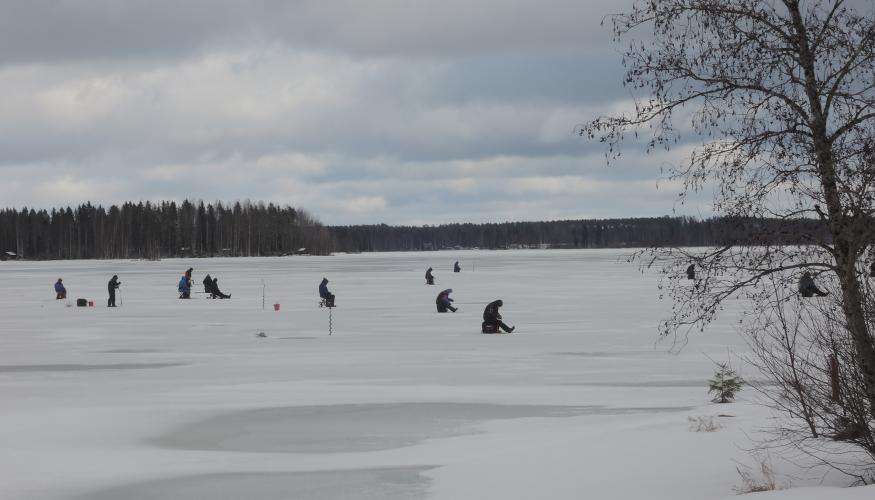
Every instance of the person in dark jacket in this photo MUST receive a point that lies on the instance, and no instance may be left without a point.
(691, 272)
(456, 267)
(188, 277)
(60, 291)
(184, 287)
(808, 288)
(208, 286)
(327, 296)
(429, 278)
(111, 287)
(492, 318)
(215, 292)
(444, 301)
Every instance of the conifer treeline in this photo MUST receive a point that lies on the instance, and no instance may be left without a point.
(194, 229)
(607, 233)
(152, 231)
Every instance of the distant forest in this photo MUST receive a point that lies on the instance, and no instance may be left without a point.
(153, 231)
(597, 233)
(195, 229)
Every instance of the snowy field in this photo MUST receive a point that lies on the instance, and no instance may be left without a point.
(170, 399)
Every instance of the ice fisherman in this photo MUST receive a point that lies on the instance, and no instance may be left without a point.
(60, 291)
(188, 276)
(325, 294)
(808, 288)
(691, 272)
(492, 318)
(216, 293)
(444, 301)
(429, 278)
(184, 286)
(111, 287)
(208, 285)
(456, 267)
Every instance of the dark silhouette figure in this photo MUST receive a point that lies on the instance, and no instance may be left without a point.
(215, 292)
(492, 319)
(444, 301)
(456, 267)
(208, 286)
(691, 272)
(327, 297)
(429, 278)
(188, 277)
(111, 287)
(808, 288)
(60, 291)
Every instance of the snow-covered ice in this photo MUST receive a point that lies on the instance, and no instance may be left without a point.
(165, 398)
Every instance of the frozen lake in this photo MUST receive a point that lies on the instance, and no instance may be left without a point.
(164, 398)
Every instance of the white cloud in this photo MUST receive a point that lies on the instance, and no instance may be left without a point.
(364, 204)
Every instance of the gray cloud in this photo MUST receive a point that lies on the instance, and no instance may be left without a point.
(62, 30)
(389, 111)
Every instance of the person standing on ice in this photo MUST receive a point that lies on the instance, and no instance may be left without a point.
(188, 276)
(456, 267)
(444, 301)
(184, 286)
(327, 296)
(60, 291)
(111, 287)
(492, 318)
(429, 278)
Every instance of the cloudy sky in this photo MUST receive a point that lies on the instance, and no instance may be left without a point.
(395, 111)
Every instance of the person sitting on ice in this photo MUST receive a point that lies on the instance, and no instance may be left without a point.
(184, 287)
(208, 286)
(492, 318)
(60, 291)
(691, 272)
(444, 301)
(808, 288)
(215, 292)
(327, 297)
(429, 278)
(456, 267)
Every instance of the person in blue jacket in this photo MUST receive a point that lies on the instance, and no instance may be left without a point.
(444, 301)
(60, 291)
(184, 287)
(325, 294)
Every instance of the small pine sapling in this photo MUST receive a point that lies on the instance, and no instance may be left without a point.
(724, 384)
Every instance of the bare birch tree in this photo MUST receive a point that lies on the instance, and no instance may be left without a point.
(778, 97)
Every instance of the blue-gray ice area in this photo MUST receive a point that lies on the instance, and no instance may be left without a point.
(359, 484)
(355, 427)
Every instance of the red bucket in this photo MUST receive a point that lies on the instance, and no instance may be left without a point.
(276, 307)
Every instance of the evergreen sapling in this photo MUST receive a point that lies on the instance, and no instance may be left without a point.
(725, 384)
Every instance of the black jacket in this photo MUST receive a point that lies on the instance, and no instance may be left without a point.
(491, 314)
